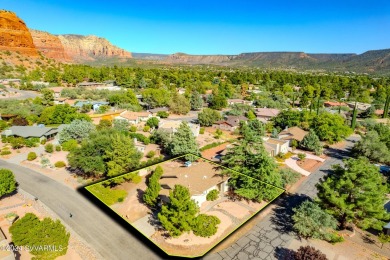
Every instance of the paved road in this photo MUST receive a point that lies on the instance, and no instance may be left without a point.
(106, 236)
(271, 236)
(24, 93)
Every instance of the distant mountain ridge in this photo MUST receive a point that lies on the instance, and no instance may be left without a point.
(72, 48)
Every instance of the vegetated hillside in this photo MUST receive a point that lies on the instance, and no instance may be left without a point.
(148, 56)
(370, 61)
(15, 36)
(199, 59)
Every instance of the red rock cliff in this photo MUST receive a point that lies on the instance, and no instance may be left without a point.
(14, 34)
(49, 45)
(89, 48)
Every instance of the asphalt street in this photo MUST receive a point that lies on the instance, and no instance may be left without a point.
(107, 237)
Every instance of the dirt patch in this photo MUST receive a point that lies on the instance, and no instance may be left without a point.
(233, 209)
(132, 208)
(309, 164)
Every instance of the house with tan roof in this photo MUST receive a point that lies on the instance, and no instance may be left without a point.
(200, 178)
(134, 117)
(292, 133)
(334, 104)
(275, 146)
(171, 126)
(239, 101)
(230, 123)
(265, 114)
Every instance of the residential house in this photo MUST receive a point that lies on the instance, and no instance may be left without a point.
(60, 101)
(171, 126)
(292, 133)
(94, 104)
(276, 146)
(231, 123)
(134, 117)
(359, 105)
(181, 91)
(386, 228)
(239, 101)
(140, 146)
(198, 181)
(10, 81)
(42, 83)
(334, 104)
(265, 114)
(40, 132)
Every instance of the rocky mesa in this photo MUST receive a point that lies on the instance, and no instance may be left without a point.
(49, 45)
(89, 48)
(14, 35)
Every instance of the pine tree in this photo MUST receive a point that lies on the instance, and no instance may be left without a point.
(7, 182)
(311, 142)
(30, 231)
(355, 193)
(154, 187)
(184, 142)
(354, 115)
(123, 157)
(178, 215)
(196, 101)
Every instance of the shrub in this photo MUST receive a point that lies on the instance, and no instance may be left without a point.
(58, 148)
(150, 154)
(209, 146)
(294, 143)
(16, 142)
(31, 156)
(49, 148)
(5, 152)
(301, 156)
(31, 142)
(7, 182)
(289, 176)
(140, 137)
(69, 145)
(60, 164)
(212, 195)
(133, 129)
(45, 162)
(201, 131)
(146, 128)
(308, 253)
(43, 141)
(162, 114)
(205, 225)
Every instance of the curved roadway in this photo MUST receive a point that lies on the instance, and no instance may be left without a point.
(107, 237)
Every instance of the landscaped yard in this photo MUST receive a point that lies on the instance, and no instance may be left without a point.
(199, 179)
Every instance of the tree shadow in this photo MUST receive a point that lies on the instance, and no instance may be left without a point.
(283, 212)
(368, 239)
(282, 253)
(338, 153)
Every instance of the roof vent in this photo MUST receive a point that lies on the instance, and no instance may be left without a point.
(204, 177)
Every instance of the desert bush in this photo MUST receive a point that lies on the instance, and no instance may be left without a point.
(60, 164)
(58, 148)
(212, 195)
(31, 156)
(150, 154)
(205, 225)
(49, 148)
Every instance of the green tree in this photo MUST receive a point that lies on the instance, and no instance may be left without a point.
(151, 193)
(205, 225)
(123, 155)
(156, 97)
(178, 215)
(250, 115)
(383, 238)
(251, 159)
(47, 97)
(121, 125)
(32, 232)
(208, 116)
(310, 221)
(354, 115)
(162, 114)
(311, 142)
(330, 127)
(184, 142)
(77, 130)
(61, 114)
(355, 193)
(180, 105)
(196, 101)
(7, 182)
(372, 147)
(218, 102)
(153, 122)
(126, 97)
(104, 124)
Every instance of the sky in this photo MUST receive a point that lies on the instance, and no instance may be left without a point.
(217, 27)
